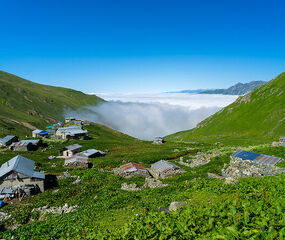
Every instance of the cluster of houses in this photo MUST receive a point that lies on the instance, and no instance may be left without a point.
(15, 144)
(160, 169)
(76, 158)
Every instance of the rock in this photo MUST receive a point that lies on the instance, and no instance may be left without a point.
(130, 187)
(4, 216)
(199, 159)
(174, 206)
(176, 150)
(54, 210)
(51, 157)
(55, 191)
(275, 144)
(163, 209)
(53, 165)
(153, 183)
(77, 181)
(230, 180)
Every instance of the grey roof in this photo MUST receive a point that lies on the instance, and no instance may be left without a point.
(261, 158)
(7, 138)
(89, 152)
(37, 131)
(26, 142)
(21, 165)
(163, 166)
(72, 130)
(73, 147)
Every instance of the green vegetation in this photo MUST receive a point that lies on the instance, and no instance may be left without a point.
(257, 117)
(24, 104)
(253, 208)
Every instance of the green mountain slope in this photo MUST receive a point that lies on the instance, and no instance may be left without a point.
(256, 117)
(24, 104)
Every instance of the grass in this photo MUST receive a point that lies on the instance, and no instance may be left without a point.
(104, 208)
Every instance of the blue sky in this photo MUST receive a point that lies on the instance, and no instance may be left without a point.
(142, 46)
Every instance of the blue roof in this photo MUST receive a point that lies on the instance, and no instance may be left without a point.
(43, 133)
(247, 155)
(261, 158)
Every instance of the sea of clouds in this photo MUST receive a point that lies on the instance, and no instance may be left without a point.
(146, 116)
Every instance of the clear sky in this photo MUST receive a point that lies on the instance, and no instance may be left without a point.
(142, 45)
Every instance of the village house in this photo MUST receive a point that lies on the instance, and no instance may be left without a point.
(26, 145)
(282, 141)
(19, 171)
(91, 153)
(72, 132)
(260, 158)
(8, 140)
(76, 162)
(71, 150)
(158, 140)
(164, 169)
(70, 119)
(131, 170)
(39, 133)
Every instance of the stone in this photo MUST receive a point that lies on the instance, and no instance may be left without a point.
(174, 206)
(77, 181)
(130, 187)
(176, 150)
(153, 183)
(53, 165)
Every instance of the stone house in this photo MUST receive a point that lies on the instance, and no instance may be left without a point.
(256, 157)
(19, 171)
(131, 170)
(91, 153)
(71, 150)
(26, 145)
(72, 132)
(164, 169)
(158, 140)
(8, 140)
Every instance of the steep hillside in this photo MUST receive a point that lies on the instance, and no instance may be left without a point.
(256, 117)
(237, 89)
(24, 104)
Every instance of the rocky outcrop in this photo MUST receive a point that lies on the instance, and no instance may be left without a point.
(56, 210)
(130, 187)
(199, 159)
(153, 183)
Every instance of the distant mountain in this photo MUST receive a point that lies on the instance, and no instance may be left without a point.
(238, 89)
(190, 91)
(25, 105)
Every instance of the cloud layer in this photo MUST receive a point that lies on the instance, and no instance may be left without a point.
(146, 116)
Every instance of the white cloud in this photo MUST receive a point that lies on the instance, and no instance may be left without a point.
(146, 116)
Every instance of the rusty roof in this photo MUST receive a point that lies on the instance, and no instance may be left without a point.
(132, 167)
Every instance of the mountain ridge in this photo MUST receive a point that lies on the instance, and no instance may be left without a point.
(25, 105)
(255, 117)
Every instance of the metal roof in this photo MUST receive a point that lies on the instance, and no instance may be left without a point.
(7, 138)
(90, 152)
(72, 130)
(37, 131)
(26, 142)
(21, 165)
(73, 147)
(261, 158)
(132, 167)
(164, 166)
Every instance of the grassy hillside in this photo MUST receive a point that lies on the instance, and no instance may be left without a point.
(256, 117)
(24, 104)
